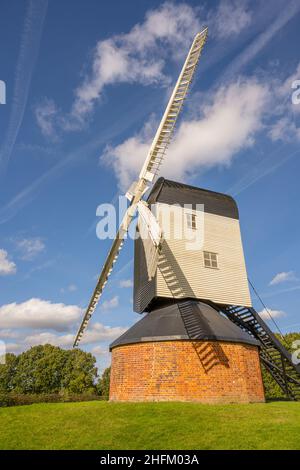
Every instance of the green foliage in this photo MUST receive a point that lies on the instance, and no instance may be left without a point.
(272, 389)
(49, 369)
(103, 384)
(8, 373)
(17, 399)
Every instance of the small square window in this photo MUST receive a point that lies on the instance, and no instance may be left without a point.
(191, 221)
(210, 259)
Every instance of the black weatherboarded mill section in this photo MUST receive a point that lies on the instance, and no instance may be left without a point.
(171, 192)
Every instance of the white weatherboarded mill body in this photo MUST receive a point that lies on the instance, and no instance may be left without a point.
(201, 255)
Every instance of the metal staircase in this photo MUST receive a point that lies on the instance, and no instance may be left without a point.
(276, 359)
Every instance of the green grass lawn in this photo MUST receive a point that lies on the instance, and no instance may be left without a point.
(103, 425)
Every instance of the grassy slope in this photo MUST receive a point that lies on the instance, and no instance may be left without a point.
(103, 425)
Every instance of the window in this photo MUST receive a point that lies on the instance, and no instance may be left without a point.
(210, 259)
(191, 221)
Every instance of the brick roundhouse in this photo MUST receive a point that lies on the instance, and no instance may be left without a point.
(156, 360)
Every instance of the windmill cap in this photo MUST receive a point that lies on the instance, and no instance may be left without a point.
(172, 192)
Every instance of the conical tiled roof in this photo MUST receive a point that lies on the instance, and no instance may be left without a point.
(184, 320)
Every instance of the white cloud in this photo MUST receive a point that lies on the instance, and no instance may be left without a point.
(98, 332)
(230, 18)
(283, 277)
(126, 283)
(109, 304)
(6, 266)
(266, 314)
(95, 333)
(30, 247)
(99, 351)
(226, 124)
(138, 56)
(39, 314)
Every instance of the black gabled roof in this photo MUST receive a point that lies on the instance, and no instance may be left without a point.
(172, 322)
(171, 192)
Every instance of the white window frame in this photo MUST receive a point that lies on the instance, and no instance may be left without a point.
(210, 260)
(191, 220)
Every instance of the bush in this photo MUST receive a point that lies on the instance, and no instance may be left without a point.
(16, 399)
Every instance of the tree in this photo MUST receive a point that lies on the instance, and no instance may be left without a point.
(103, 384)
(272, 389)
(8, 372)
(49, 369)
(79, 372)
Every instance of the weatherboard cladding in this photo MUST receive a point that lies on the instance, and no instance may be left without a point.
(185, 268)
(171, 323)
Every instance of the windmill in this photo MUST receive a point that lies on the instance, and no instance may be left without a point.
(201, 338)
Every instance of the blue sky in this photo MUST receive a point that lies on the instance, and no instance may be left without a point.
(86, 85)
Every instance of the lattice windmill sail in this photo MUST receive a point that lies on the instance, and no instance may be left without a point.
(152, 235)
(149, 170)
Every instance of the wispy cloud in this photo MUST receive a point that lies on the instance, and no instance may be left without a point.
(266, 166)
(69, 288)
(229, 18)
(45, 113)
(288, 290)
(285, 276)
(29, 248)
(110, 304)
(126, 283)
(82, 153)
(29, 47)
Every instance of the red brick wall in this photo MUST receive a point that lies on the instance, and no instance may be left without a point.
(209, 372)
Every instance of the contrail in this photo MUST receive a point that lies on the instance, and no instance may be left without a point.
(28, 53)
(262, 40)
(260, 172)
